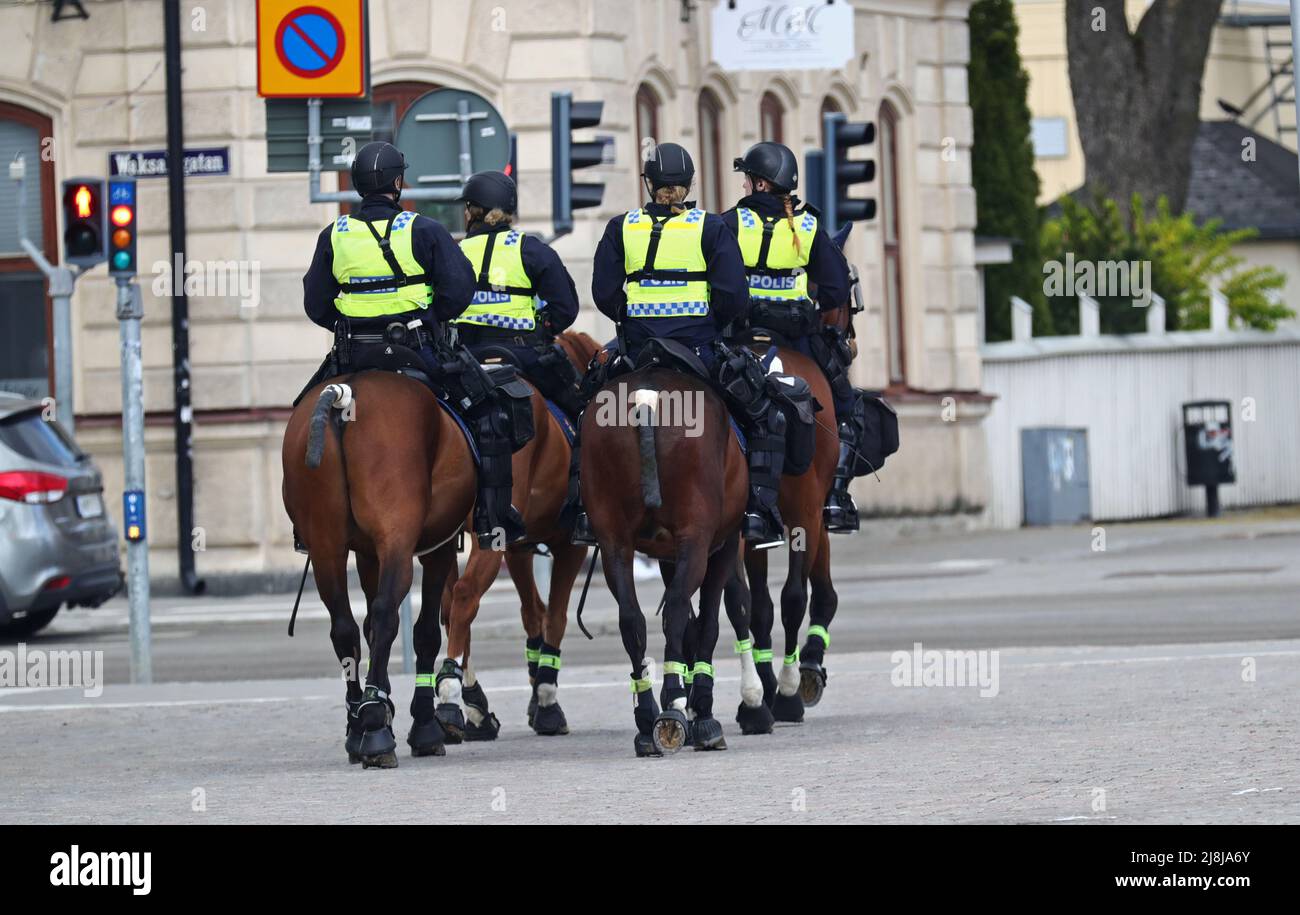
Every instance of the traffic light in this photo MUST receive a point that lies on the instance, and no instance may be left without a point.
(839, 174)
(84, 222)
(122, 227)
(566, 155)
(512, 165)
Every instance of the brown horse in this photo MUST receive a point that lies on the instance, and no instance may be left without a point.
(676, 491)
(541, 475)
(801, 500)
(374, 466)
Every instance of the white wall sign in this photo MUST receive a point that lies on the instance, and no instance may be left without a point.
(771, 35)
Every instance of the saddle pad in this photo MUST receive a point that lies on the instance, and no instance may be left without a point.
(562, 418)
(473, 448)
(740, 436)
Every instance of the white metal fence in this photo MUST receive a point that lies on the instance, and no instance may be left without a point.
(1127, 392)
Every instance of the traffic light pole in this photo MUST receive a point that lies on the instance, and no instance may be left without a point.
(130, 312)
(62, 281)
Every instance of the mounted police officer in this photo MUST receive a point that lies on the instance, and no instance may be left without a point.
(523, 294)
(668, 269)
(384, 278)
(785, 248)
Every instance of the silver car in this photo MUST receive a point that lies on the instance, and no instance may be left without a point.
(57, 544)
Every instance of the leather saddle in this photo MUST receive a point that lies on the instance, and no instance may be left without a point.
(671, 354)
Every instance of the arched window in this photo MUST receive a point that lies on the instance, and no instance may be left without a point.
(709, 168)
(829, 106)
(647, 121)
(25, 327)
(771, 118)
(890, 234)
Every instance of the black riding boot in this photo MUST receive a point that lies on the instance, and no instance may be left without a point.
(763, 528)
(840, 513)
(492, 509)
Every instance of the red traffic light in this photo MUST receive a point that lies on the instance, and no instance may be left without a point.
(83, 200)
(122, 215)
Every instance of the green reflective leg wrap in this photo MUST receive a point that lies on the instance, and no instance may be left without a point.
(762, 656)
(792, 659)
(689, 676)
(532, 651)
(675, 667)
(424, 680)
(548, 660)
(548, 664)
(821, 633)
(744, 646)
(640, 686)
(702, 668)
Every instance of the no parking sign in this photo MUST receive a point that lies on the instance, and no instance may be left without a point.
(311, 48)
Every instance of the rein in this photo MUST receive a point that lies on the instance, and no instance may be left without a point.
(297, 600)
(582, 601)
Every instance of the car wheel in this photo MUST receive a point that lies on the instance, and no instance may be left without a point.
(30, 624)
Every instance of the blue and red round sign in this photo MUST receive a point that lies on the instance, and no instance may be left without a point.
(310, 41)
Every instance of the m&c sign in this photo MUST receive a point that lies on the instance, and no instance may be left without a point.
(312, 49)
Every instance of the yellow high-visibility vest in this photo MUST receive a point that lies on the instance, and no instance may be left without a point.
(673, 284)
(776, 271)
(368, 287)
(503, 294)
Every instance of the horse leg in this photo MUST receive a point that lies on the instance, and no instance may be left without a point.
(753, 715)
(786, 704)
(672, 728)
(762, 618)
(331, 574)
(378, 747)
(426, 737)
(532, 612)
(568, 558)
(812, 657)
(706, 731)
(616, 562)
(480, 572)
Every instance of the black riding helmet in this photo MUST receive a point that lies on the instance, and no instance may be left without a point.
(491, 191)
(771, 161)
(376, 168)
(668, 165)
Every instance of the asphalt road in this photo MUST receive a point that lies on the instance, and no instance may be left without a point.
(1154, 681)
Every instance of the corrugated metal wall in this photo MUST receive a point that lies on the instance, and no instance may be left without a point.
(1129, 396)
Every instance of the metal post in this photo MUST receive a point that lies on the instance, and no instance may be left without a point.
(130, 311)
(62, 280)
(462, 123)
(1295, 61)
(182, 412)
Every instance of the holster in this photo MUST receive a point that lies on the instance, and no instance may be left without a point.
(742, 380)
(830, 350)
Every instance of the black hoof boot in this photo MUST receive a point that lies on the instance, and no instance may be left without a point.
(644, 745)
(671, 731)
(352, 740)
(756, 719)
(379, 749)
(787, 708)
(812, 682)
(452, 719)
(549, 720)
(532, 707)
(645, 712)
(427, 738)
(706, 734)
(488, 726)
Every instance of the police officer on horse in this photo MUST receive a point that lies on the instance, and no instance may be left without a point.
(385, 280)
(786, 247)
(670, 270)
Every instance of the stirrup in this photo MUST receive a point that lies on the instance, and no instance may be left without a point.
(757, 533)
(840, 518)
(298, 545)
(582, 533)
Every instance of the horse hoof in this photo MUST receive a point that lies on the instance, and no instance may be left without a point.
(787, 708)
(549, 720)
(427, 738)
(645, 746)
(452, 719)
(755, 719)
(487, 730)
(671, 731)
(812, 683)
(532, 710)
(706, 734)
(378, 749)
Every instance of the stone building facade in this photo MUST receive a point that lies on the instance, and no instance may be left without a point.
(97, 86)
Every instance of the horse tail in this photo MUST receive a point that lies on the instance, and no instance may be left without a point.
(650, 492)
(337, 396)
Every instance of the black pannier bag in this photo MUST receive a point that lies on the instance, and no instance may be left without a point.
(794, 398)
(514, 398)
(877, 425)
(791, 319)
